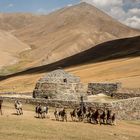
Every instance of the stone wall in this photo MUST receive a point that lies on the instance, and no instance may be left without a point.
(61, 91)
(119, 95)
(49, 102)
(127, 109)
(105, 88)
(16, 93)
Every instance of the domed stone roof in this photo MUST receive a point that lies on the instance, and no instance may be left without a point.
(59, 76)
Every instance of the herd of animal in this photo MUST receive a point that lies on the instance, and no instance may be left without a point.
(86, 114)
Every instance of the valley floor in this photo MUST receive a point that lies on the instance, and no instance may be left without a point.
(27, 127)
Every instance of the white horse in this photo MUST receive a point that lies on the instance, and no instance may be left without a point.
(18, 107)
(41, 111)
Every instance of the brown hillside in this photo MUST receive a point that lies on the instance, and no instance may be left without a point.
(10, 48)
(69, 31)
(82, 39)
(118, 61)
(14, 21)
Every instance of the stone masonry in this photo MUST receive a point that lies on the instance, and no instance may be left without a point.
(105, 88)
(60, 85)
(126, 109)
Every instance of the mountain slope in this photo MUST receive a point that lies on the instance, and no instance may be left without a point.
(118, 62)
(81, 39)
(13, 21)
(69, 31)
(10, 48)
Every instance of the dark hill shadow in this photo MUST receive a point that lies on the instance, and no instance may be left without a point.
(116, 49)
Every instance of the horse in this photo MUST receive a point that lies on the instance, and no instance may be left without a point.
(63, 114)
(1, 101)
(113, 119)
(41, 111)
(88, 114)
(60, 113)
(103, 117)
(56, 114)
(73, 115)
(109, 117)
(95, 116)
(18, 107)
(80, 114)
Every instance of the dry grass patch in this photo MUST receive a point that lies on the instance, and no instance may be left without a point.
(28, 127)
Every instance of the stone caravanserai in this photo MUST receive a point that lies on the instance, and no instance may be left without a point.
(60, 85)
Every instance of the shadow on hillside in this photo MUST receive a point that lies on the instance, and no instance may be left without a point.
(116, 49)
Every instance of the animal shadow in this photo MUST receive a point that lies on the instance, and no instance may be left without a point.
(15, 114)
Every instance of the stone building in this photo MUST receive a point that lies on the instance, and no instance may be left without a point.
(60, 85)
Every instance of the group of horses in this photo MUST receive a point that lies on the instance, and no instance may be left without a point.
(86, 114)
(94, 116)
(89, 115)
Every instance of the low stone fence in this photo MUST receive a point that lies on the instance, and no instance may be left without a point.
(127, 109)
(51, 103)
(16, 93)
(119, 95)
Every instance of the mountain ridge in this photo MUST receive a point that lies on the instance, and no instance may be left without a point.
(77, 38)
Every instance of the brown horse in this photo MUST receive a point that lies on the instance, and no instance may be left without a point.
(60, 114)
(95, 116)
(1, 101)
(88, 114)
(73, 114)
(113, 119)
(63, 114)
(108, 120)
